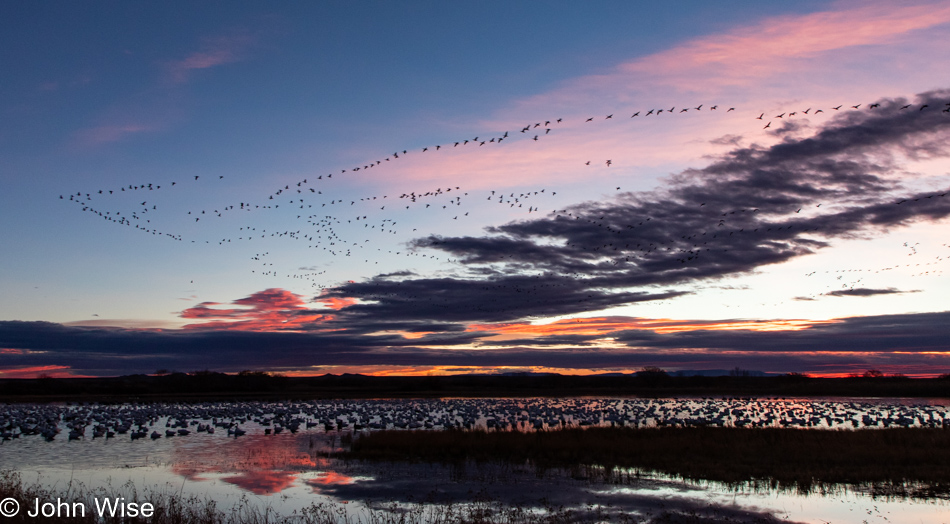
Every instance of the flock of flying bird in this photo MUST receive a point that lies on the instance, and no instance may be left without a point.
(315, 211)
(873, 106)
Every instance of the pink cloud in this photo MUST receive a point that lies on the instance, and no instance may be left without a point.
(109, 133)
(879, 49)
(214, 52)
(273, 299)
(750, 54)
(268, 310)
(767, 48)
(35, 371)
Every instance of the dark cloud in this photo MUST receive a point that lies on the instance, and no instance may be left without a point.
(111, 351)
(491, 299)
(868, 292)
(751, 207)
(542, 341)
(907, 342)
(911, 333)
(727, 140)
(754, 206)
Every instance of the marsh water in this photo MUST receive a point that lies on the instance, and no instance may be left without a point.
(280, 457)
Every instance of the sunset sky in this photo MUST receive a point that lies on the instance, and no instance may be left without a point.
(439, 187)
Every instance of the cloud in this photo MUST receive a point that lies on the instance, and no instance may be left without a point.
(743, 58)
(268, 310)
(604, 326)
(215, 51)
(155, 110)
(109, 133)
(912, 343)
(772, 46)
(789, 58)
(751, 207)
(867, 292)
(52, 370)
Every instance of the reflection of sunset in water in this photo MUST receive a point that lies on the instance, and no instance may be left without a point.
(261, 482)
(328, 478)
(260, 464)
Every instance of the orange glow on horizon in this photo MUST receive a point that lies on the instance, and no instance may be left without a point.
(52, 371)
(606, 325)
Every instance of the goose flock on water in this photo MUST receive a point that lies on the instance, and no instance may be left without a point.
(173, 420)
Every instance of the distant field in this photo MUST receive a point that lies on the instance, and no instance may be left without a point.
(907, 460)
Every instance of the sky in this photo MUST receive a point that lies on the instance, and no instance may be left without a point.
(443, 188)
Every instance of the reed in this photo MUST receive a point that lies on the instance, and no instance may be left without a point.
(888, 458)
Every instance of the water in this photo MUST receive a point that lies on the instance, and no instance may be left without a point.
(290, 471)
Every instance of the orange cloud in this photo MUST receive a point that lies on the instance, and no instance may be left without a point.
(607, 325)
(423, 371)
(33, 372)
(337, 303)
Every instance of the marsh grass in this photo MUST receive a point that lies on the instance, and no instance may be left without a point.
(904, 461)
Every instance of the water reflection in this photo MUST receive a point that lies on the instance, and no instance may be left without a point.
(260, 464)
(261, 482)
(271, 465)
